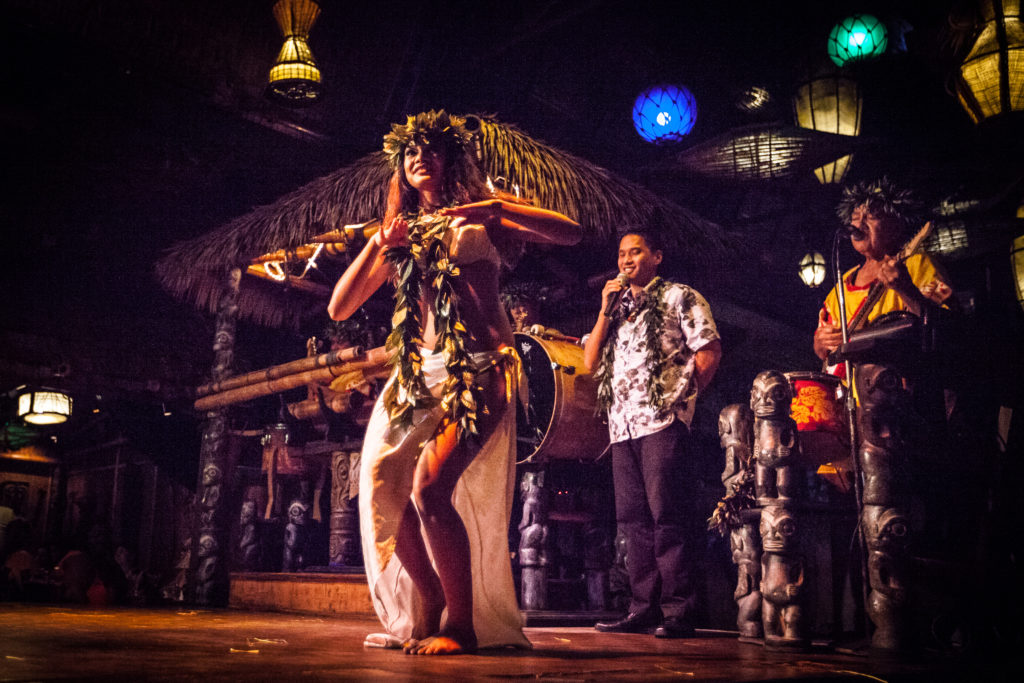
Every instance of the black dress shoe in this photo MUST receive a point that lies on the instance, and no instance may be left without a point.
(634, 622)
(674, 627)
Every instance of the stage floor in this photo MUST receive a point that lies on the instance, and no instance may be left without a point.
(56, 642)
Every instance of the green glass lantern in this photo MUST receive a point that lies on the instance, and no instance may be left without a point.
(857, 37)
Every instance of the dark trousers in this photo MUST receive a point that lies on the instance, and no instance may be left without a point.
(653, 495)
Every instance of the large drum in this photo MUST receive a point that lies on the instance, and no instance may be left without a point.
(817, 409)
(561, 421)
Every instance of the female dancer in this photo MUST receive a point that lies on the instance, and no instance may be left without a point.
(438, 460)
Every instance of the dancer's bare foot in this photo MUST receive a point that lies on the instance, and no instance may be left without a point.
(433, 607)
(448, 642)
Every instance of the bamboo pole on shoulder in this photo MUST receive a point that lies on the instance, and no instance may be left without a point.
(303, 252)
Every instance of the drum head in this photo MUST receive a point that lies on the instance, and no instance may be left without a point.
(532, 426)
(561, 421)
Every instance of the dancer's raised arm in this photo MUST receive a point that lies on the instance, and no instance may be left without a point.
(367, 272)
(520, 221)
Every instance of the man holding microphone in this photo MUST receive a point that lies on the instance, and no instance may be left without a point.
(654, 347)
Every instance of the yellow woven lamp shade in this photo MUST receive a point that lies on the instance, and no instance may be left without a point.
(295, 79)
(831, 103)
(991, 78)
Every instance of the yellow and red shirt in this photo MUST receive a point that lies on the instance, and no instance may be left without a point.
(924, 275)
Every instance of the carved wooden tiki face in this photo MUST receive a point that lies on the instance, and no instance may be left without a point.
(770, 395)
(778, 530)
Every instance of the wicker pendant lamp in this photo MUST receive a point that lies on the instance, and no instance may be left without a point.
(990, 81)
(829, 101)
(295, 79)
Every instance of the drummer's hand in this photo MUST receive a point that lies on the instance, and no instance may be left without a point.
(610, 287)
(394, 234)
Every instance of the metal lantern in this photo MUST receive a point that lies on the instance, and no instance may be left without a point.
(44, 406)
(294, 78)
(830, 101)
(812, 269)
(855, 38)
(990, 80)
(664, 113)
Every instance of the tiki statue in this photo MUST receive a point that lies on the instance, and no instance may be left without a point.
(886, 532)
(782, 578)
(777, 478)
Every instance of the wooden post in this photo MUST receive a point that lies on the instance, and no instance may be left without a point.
(210, 541)
(343, 543)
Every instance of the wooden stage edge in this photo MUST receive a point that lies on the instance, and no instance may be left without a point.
(302, 592)
(346, 593)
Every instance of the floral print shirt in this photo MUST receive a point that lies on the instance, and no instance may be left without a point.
(689, 326)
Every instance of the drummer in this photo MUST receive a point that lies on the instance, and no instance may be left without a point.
(522, 306)
(879, 217)
(522, 303)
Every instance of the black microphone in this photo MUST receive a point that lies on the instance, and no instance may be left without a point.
(614, 297)
(851, 231)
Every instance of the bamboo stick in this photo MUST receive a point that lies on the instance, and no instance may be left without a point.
(335, 357)
(290, 281)
(373, 363)
(303, 252)
(339, 403)
(349, 233)
(307, 410)
(310, 408)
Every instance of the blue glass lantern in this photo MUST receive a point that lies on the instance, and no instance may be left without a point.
(664, 113)
(857, 37)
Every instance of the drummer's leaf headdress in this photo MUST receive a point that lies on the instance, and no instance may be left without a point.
(882, 197)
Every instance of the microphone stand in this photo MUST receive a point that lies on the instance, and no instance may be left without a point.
(851, 423)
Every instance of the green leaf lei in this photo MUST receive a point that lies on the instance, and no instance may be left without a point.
(653, 309)
(426, 259)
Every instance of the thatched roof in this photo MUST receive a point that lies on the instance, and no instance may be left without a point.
(600, 201)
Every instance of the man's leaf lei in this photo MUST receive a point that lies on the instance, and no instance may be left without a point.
(426, 259)
(652, 308)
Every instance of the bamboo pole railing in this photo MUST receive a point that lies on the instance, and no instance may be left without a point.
(370, 365)
(339, 403)
(335, 357)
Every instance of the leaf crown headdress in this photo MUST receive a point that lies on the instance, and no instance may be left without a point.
(427, 128)
(882, 197)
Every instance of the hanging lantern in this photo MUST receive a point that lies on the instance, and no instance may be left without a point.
(812, 269)
(762, 152)
(1017, 262)
(664, 113)
(830, 102)
(755, 98)
(991, 79)
(856, 38)
(44, 406)
(294, 78)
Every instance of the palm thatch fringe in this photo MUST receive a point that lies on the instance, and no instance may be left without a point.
(600, 201)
